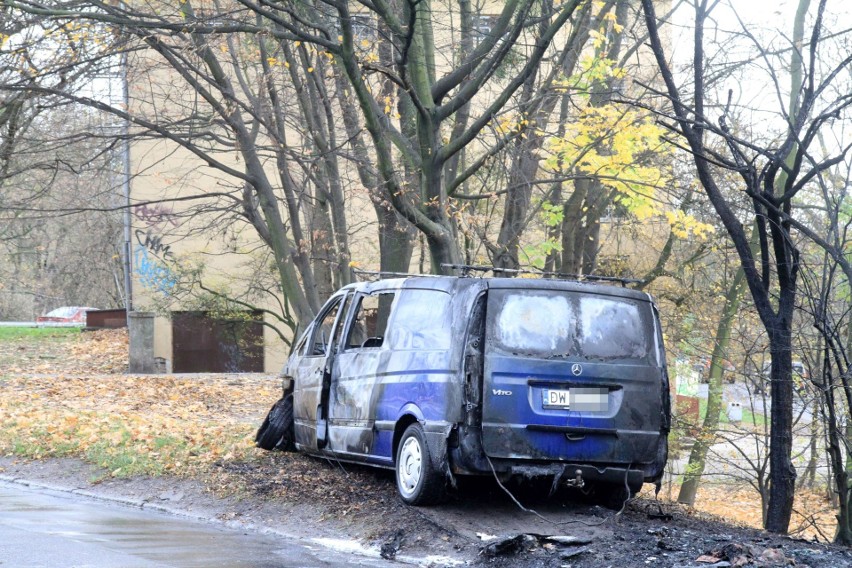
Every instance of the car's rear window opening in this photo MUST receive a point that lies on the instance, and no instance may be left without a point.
(569, 324)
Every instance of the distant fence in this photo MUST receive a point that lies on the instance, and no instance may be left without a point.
(106, 319)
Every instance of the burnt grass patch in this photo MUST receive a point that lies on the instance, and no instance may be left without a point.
(644, 533)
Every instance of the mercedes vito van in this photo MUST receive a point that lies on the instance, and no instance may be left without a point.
(443, 376)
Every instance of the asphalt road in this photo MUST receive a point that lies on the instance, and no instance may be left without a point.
(44, 528)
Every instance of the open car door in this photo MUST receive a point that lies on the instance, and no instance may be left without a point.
(312, 375)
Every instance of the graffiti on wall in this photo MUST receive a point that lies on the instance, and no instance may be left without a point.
(152, 272)
(150, 252)
(152, 215)
(153, 243)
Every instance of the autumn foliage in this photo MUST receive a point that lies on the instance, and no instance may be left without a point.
(70, 405)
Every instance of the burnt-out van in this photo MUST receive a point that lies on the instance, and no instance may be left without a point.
(443, 376)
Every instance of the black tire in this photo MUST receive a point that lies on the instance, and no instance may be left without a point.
(417, 480)
(276, 432)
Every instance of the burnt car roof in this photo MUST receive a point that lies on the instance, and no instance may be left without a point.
(457, 283)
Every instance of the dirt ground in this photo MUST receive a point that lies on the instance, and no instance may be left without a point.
(338, 504)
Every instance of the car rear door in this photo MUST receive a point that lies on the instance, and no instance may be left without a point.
(570, 375)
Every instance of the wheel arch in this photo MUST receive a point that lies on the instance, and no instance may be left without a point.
(402, 423)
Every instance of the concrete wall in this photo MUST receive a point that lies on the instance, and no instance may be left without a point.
(140, 326)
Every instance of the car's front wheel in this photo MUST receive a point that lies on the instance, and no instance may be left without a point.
(276, 432)
(417, 480)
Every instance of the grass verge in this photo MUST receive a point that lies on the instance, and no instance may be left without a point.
(13, 333)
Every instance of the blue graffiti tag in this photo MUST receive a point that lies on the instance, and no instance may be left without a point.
(152, 272)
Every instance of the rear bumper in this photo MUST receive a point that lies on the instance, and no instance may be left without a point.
(588, 473)
(610, 463)
(633, 476)
(571, 444)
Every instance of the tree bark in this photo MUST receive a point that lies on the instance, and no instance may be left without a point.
(525, 160)
(395, 234)
(698, 455)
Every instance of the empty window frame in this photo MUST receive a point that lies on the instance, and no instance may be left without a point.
(369, 326)
(323, 334)
(363, 27)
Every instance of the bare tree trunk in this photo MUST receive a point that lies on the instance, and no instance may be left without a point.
(572, 216)
(698, 455)
(523, 172)
(395, 234)
(591, 244)
(816, 429)
(836, 453)
(782, 473)
(774, 303)
(809, 476)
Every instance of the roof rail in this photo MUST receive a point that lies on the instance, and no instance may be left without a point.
(466, 269)
(380, 274)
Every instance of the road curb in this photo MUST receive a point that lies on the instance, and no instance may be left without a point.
(149, 506)
(35, 484)
(116, 499)
(137, 503)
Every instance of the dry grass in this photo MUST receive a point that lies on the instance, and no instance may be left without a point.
(74, 404)
(738, 503)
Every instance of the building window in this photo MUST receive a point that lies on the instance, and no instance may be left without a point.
(363, 28)
(482, 26)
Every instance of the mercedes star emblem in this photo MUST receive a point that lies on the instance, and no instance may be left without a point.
(576, 368)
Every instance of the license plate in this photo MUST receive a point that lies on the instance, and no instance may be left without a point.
(556, 398)
(590, 399)
(581, 399)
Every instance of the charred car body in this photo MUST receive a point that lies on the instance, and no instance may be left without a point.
(439, 376)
